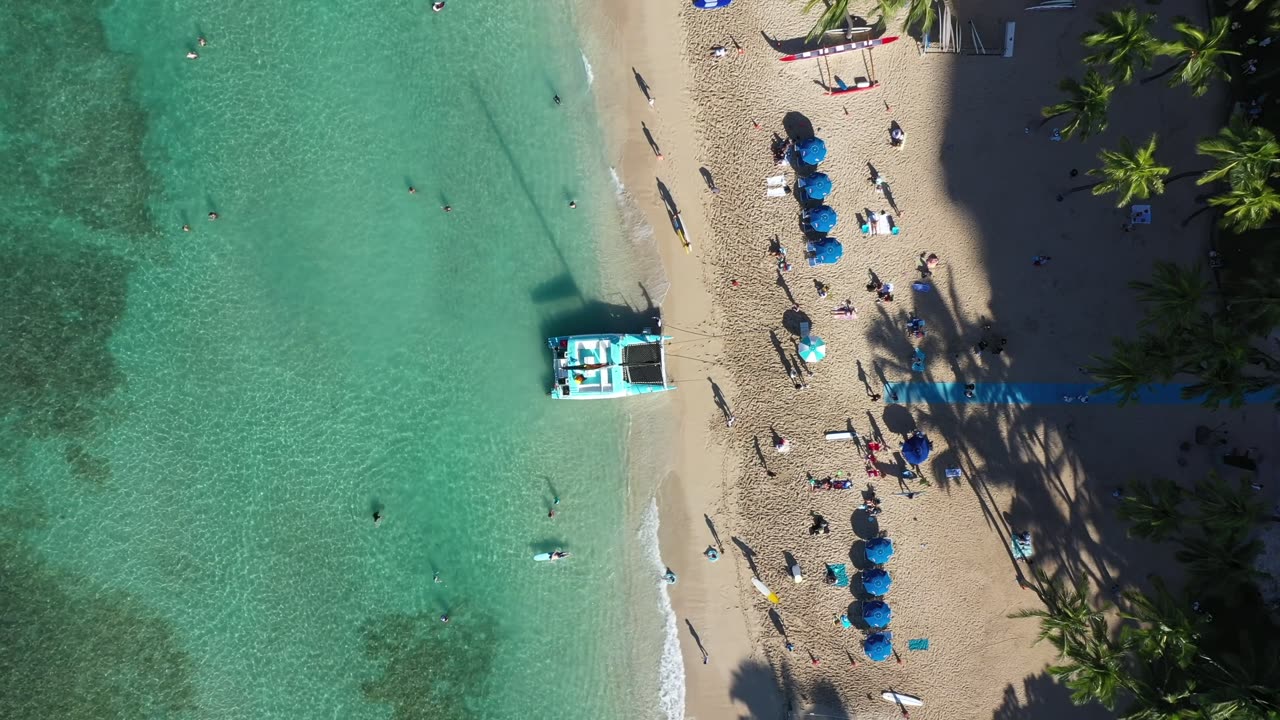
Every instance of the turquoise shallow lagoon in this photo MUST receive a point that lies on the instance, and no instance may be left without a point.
(197, 426)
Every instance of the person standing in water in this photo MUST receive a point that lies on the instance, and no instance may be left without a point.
(557, 99)
(377, 518)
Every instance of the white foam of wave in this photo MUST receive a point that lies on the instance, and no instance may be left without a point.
(643, 263)
(671, 666)
(586, 65)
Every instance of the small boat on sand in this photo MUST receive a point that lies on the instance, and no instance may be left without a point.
(594, 367)
(837, 49)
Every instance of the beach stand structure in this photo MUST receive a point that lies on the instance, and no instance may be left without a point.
(879, 550)
(878, 646)
(821, 219)
(826, 251)
(816, 186)
(950, 38)
(876, 614)
(838, 575)
(876, 582)
(916, 449)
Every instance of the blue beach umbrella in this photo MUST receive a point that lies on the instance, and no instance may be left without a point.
(877, 582)
(876, 614)
(878, 646)
(812, 349)
(816, 186)
(822, 218)
(826, 251)
(916, 449)
(813, 151)
(879, 550)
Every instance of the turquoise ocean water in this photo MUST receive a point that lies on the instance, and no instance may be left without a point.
(197, 426)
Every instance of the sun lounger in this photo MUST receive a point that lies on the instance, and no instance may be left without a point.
(1021, 550)
(841, 435)
(775, 192)
(838, 572)
(776, 181)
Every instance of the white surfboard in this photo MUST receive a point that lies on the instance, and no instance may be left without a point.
(764, 590)
(900, 699)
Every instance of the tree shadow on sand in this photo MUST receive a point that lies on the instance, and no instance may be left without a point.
(1045, 700)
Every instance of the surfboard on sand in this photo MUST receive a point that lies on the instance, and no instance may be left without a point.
(901, 699)
(764, 590)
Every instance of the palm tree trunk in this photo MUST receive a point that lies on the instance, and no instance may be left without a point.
(1046, 120)
(1063, 196)
(1193, 215)
(1163, 72)
(1189, 173)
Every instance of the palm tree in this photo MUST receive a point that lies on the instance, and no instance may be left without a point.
(1175, 296)
(1095, 670)
(1131, 172)
(1226, 507)
(1122, 42)
(835, 14)
(1221, 559)
(1067, 614)
(1153, 510)
(1242, 153)
(1125, 372)
(1087, 105)
(1164, 628)
(1200, 53)
(1220, 356)
(1249, 205)
(921, 14)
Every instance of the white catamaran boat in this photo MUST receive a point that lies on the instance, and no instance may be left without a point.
(592, 367)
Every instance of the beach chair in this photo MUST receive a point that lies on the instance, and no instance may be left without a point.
(840, 573)
(1021, 550)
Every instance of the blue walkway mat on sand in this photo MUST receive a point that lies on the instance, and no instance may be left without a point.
(1037, 394)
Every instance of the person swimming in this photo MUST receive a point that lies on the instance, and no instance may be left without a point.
(193, 56)
(557, 99)
(558, 555)
(437, 6)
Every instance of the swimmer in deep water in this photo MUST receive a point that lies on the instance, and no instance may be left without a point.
(437, 6)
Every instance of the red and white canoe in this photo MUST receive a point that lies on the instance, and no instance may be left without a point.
(837, 49)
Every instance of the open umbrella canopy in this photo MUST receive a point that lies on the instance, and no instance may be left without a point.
(816, 186)
(813, 151)
(826, 251)
(879, 550)
(916, 449)
(822, 218)
(878, 646)
(876, 581)
(876, 613)
(812, 349)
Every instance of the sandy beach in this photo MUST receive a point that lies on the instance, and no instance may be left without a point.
(976, 187)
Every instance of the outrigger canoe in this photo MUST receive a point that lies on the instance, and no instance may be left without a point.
(853, 89)
(837, 49)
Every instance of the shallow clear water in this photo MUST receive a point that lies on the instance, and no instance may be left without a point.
(198, 426)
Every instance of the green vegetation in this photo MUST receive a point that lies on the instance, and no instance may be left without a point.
(921, 14)
(1204, 653)
(1208, 336)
